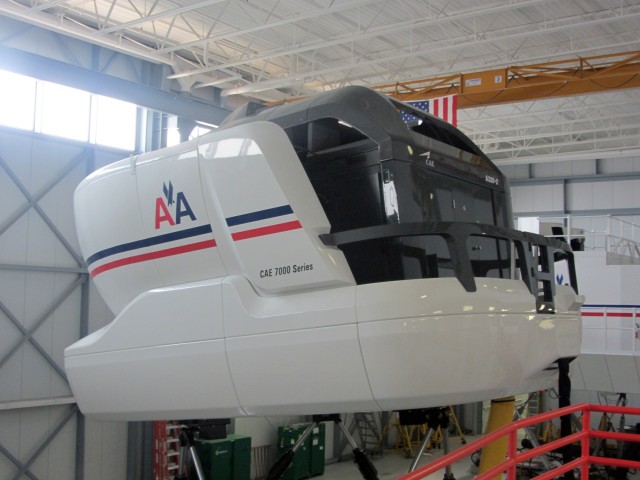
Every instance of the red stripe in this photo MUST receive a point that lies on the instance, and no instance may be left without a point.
(609, 314)
(436, 107)
(592, 314)
(192, 247)
(445, 109)
(259, 232)
(454, 110)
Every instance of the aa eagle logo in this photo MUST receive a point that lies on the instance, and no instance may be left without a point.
(180, 207)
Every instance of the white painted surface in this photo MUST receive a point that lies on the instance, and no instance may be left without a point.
(297, 341)
(377, 346)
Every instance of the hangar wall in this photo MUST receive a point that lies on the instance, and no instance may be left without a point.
(46, 303)
(579, 187)
(589, 191)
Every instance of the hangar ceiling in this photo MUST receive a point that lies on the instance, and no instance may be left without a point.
(277, 49)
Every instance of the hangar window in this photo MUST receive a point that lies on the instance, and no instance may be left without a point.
(18, 100)
(114, 123)
(57, 110)
(63, 112)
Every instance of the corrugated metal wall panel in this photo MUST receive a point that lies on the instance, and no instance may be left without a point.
(46, 305)
(108, 443)
(537, 198)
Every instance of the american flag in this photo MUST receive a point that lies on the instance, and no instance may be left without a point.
(445, 108)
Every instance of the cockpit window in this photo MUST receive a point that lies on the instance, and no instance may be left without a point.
(323, 138)
(428, 126)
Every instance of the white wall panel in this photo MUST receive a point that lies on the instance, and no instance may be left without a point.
(542, 170)
(583, 167)
(39, 296)
(602, 195)
(13, 245)
(515, 171)
(541, 198)
(34, 425)
(61, 454)
(57, 203)
(623, 194)
(9, 438)
(55, 463)
(537, 197)
(636, 200)
(580, 196)
(553, 169)
(99, 313)
(108, 443)
(41, 241)
(558, 197)
(12, 296)
(64, 324)
(522, 198)
(16, 148)
(616, 193)
(617, 165)
(29, 296)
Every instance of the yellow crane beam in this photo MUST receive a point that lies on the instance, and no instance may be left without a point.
(577, 76)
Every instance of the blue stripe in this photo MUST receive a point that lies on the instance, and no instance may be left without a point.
(149, 242)
(259, 215)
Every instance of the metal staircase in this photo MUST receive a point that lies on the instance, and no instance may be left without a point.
(369, 433)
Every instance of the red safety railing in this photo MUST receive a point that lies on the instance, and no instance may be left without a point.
(513, 457)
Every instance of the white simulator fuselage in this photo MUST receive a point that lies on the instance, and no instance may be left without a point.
(229, 303)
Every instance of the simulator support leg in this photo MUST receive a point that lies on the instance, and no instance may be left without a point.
(564, 400)
(423, 447)
(448, 473)
(361, 459)
(188, 447)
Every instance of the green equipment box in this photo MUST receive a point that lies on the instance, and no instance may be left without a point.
(309, 459)
(225, 459)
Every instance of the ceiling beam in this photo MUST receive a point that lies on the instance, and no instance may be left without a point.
(305, 15)
(348, 39)
(43, 68)
(62, 25)
(156, 16)
(567, 157)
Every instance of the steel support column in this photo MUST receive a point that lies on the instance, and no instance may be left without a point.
(80, 420)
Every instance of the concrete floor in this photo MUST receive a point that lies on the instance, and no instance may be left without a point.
(392, 464)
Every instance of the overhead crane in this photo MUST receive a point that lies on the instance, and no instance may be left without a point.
(575, 76)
